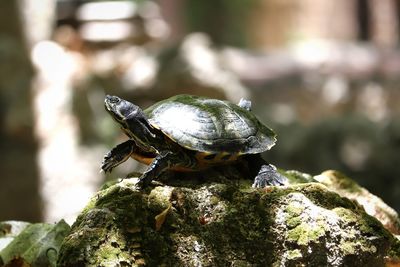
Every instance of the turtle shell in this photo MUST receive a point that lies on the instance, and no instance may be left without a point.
(210, 125)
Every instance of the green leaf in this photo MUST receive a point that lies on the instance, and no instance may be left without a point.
(9, 230)
(37, 244)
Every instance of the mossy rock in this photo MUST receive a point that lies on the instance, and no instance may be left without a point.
(226, 224)
(372, 204)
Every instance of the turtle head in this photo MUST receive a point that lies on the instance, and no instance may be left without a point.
(132, 120)
(122, 110)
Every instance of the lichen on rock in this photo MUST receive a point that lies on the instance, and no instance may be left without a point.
(226, 223)
(321, 235)
(372, 204)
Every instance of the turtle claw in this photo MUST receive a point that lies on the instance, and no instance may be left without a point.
(269, 176)
(108, 163)
(143, 182)
(105, 170)
(141, 185)
(117, 155)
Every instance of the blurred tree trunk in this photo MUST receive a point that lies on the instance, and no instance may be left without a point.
(275, 23)
(172, 11)
(384, 26)
(19, 197)
(272, 23)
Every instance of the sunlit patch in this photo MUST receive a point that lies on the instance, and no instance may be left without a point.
(205, 66)
(372, 102)
(107, 31)
(283, 113)
(112, 10)
(142, 73)
(53, 60)
(68, 175)
(157, 28)
(335, 90)
(179, 119)
(355, 153)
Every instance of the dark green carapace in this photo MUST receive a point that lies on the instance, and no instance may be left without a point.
(210, 125)
(191, 133)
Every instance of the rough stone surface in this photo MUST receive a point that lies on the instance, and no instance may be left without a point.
(226, 224)
(372, 204)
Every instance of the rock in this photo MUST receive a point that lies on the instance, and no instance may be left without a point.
(372, 204)
(226, 223)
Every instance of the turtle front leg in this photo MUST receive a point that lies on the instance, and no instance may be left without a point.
(117, 155)
(121, 153)
(265, 174)
(164, 161)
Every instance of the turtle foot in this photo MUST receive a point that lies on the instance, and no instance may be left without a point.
(117, 155)
(269, 176)
(108, 163)
(143, 184)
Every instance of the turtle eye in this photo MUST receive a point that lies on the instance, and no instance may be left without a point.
(114, 99)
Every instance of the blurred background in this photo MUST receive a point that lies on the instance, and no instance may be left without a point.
(323, 74)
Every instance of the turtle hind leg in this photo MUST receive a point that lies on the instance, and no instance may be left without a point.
(265, 174)
(269, 176)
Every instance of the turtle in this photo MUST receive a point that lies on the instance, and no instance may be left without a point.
(191, 133)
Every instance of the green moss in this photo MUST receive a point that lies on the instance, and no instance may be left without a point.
(354, 247)
(356, 240)
(395, 249)
(303, 234)
(245, 186)
(322, 196)
(214, 200)
(297, 177)
(346, 215)
(348, 248)
(299, 234)
(294, 210)
(317, 232)
(112, 248)
(292, 222)
(338, 180)
(294, 254)
(159, 197)
(365, 223)
(292, 214)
